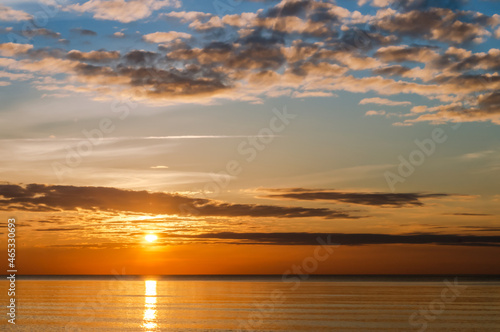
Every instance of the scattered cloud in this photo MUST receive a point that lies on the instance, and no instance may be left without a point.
(300, 49)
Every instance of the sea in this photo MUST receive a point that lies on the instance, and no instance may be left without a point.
(253, 303)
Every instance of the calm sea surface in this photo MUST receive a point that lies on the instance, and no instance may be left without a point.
(155, 304)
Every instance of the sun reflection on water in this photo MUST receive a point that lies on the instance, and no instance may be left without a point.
(150, 314)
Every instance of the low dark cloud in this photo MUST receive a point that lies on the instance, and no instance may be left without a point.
(407, 5)
(41, 32)
(392, 70)
(347, 239)
(434, 23)
(290, 8)
(140, 57)
(84, 32)
(39, 197)
(61, 229)
(481, 229)
(362, 198)
(470, 214)
(404, 54)
(101, 56)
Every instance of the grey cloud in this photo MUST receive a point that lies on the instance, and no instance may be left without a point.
(434, 23)
(362, 198)
(84, 32)
(314, 239)
(392, 70)
(41, 32)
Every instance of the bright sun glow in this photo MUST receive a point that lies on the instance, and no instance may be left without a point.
(151, 237)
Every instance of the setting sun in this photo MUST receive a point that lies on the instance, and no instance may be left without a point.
(151, 237)
(250, 165)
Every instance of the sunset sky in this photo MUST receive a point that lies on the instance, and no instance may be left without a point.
(240, 132)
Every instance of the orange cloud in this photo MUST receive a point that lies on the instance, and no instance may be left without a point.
(121, 10)
(13, 49)
(8, 14)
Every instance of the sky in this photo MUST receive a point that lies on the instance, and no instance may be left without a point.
(248, 135)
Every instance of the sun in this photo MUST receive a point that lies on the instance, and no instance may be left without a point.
(151, 237)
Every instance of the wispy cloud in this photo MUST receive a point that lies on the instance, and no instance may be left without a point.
(383, 101)
(363, 198)
(372, 113)
(312, 239)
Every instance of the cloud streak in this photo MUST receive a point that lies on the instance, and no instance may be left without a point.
(361, 198)
(38, 197)
(314, 239)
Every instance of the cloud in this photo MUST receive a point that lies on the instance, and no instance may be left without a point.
(165, 37)
(94, 56)
(487, 108)
(121, 10)
(404, 53)
(13, 49)
(383, 101)
(84, 32)
(362, 198)
(15, 76)
(471, 215)
(186, 17)
(478, 155)
(434, 23)
(300, 48)
(309, 94)
(42, 32)
(314, 239)
(392, 71)
(38, 197)
(372, 113)
(11, 15)
(5, 30)
(425, 4)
